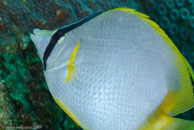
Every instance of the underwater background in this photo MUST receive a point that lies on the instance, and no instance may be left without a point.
(24, 97)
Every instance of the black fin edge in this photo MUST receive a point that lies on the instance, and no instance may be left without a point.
(192, 82)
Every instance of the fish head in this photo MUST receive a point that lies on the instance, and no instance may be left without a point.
(41, 39)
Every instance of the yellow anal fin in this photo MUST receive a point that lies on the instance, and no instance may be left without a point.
(164, 122)
(68, 112)
(71, 67)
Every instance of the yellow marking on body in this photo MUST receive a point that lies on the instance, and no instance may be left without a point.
(71, 66)
(66, 110)
(71, 72)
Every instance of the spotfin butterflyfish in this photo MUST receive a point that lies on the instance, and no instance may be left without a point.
(117, 70)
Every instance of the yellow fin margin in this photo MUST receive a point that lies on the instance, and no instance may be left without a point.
(131, 11)
(71, 67)
(181, 100)
(67, 111)
(176, 101)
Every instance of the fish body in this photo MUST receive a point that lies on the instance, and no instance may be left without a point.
(117, 70)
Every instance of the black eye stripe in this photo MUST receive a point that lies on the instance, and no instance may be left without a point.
(60, 33)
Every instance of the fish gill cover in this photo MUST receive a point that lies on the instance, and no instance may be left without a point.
(24, 97)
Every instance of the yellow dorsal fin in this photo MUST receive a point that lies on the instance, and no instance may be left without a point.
(189, 69)
(182, 99)
(131, 11)
(177, 102)
(145, 18)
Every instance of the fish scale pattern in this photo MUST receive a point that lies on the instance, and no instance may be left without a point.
(25, 99)
(23, 90)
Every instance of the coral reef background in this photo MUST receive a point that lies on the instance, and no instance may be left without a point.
(24, 97)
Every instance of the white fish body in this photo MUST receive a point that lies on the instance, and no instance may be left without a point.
(117, 71)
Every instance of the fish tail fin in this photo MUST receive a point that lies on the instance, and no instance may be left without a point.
(41, 39)
(165, 122)
(180, 124)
